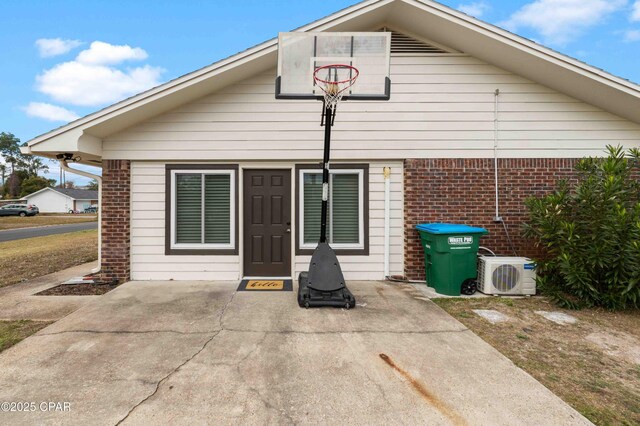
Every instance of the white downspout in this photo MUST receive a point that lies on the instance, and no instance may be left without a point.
(65, 166)
(497, 217)
(387, 219)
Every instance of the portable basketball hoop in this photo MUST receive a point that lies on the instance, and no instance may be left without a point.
(335, 80)
(322, 66)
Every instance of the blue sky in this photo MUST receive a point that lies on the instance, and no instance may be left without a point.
(64, 59)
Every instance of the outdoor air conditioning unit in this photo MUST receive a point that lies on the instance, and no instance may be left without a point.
(506, 275)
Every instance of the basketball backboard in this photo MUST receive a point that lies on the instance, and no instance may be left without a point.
(301, 53)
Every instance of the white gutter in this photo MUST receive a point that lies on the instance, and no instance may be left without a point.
(65, 166)
(497, 217)
(387, 219)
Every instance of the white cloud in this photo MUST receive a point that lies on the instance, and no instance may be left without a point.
(101, 53)
(560, 21)
(632, 35)
(635, 14)
(476, 9)
(50, 112)
(48, 47)
(92, 79)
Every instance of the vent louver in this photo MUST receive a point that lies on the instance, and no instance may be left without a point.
(401, 43)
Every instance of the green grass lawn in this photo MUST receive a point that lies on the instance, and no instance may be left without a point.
(34, 257)
(11, 332)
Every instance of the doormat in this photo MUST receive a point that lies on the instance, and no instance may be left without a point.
(265, 285)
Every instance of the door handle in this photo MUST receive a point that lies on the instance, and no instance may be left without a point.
(288, 230)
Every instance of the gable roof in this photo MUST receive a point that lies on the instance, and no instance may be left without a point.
(421, 18)
(78, 194)
(75, 194)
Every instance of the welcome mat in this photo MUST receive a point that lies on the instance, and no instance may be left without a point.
(265, 285)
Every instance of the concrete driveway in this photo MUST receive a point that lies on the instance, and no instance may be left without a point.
(201, 353)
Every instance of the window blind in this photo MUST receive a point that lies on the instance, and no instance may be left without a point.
(312, 204)
(343, 222)
(345, 202)
(188, 208)
(203, 208)
(217, 209)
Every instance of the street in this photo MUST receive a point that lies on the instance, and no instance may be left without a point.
(19, 234)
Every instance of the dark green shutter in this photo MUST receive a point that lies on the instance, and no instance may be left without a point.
(312, 204)
(217, 209)
(188, 208)
(345, 203)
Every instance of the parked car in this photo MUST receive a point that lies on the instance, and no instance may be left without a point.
(91, 209)
(21, 210)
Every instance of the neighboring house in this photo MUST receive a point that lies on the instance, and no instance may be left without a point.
(216, 141)
(62, 200)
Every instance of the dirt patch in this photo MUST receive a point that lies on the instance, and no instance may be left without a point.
(11, 332)
(34, 257)
(17, 222)
(83, 289)
(620, 345)
(592, 374)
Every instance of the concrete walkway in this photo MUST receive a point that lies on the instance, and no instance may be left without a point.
(41, 231)
(201, 353)
(17, 301)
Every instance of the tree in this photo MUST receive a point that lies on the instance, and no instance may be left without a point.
(591, 234)
(10, 150)
(35, 183)
(34, 165)
(92, 185)
(69, 184)
(3, 172)
(13, 188)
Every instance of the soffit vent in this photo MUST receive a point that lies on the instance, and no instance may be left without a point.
(402, 43)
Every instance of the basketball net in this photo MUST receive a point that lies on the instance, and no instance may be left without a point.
(334, 81)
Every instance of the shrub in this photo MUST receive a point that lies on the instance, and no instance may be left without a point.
(590, 232)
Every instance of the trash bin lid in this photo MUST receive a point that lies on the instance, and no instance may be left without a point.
(449, 228)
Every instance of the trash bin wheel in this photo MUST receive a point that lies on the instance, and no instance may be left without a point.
(469, 287)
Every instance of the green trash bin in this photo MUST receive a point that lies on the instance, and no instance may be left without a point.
(450, 255)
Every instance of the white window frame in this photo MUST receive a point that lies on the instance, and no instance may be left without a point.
(341, 246)
(232, 210)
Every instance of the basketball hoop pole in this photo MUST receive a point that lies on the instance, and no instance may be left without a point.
(328, 118)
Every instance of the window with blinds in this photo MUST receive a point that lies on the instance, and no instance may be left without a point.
(203, 209)
(344, 219)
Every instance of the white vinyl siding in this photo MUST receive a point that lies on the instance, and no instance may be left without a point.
(149, 262)
(442, 106)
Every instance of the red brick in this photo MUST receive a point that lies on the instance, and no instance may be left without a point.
(462, 191)
(116, 202)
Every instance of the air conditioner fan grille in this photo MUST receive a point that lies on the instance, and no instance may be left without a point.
(505, 278)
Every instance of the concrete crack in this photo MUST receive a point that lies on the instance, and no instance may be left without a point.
(422, 332)
(175, 370)
(184, 333)
(224, 310)
(165, 378)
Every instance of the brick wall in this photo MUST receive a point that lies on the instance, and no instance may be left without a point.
(463, 191)
(116, 204)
